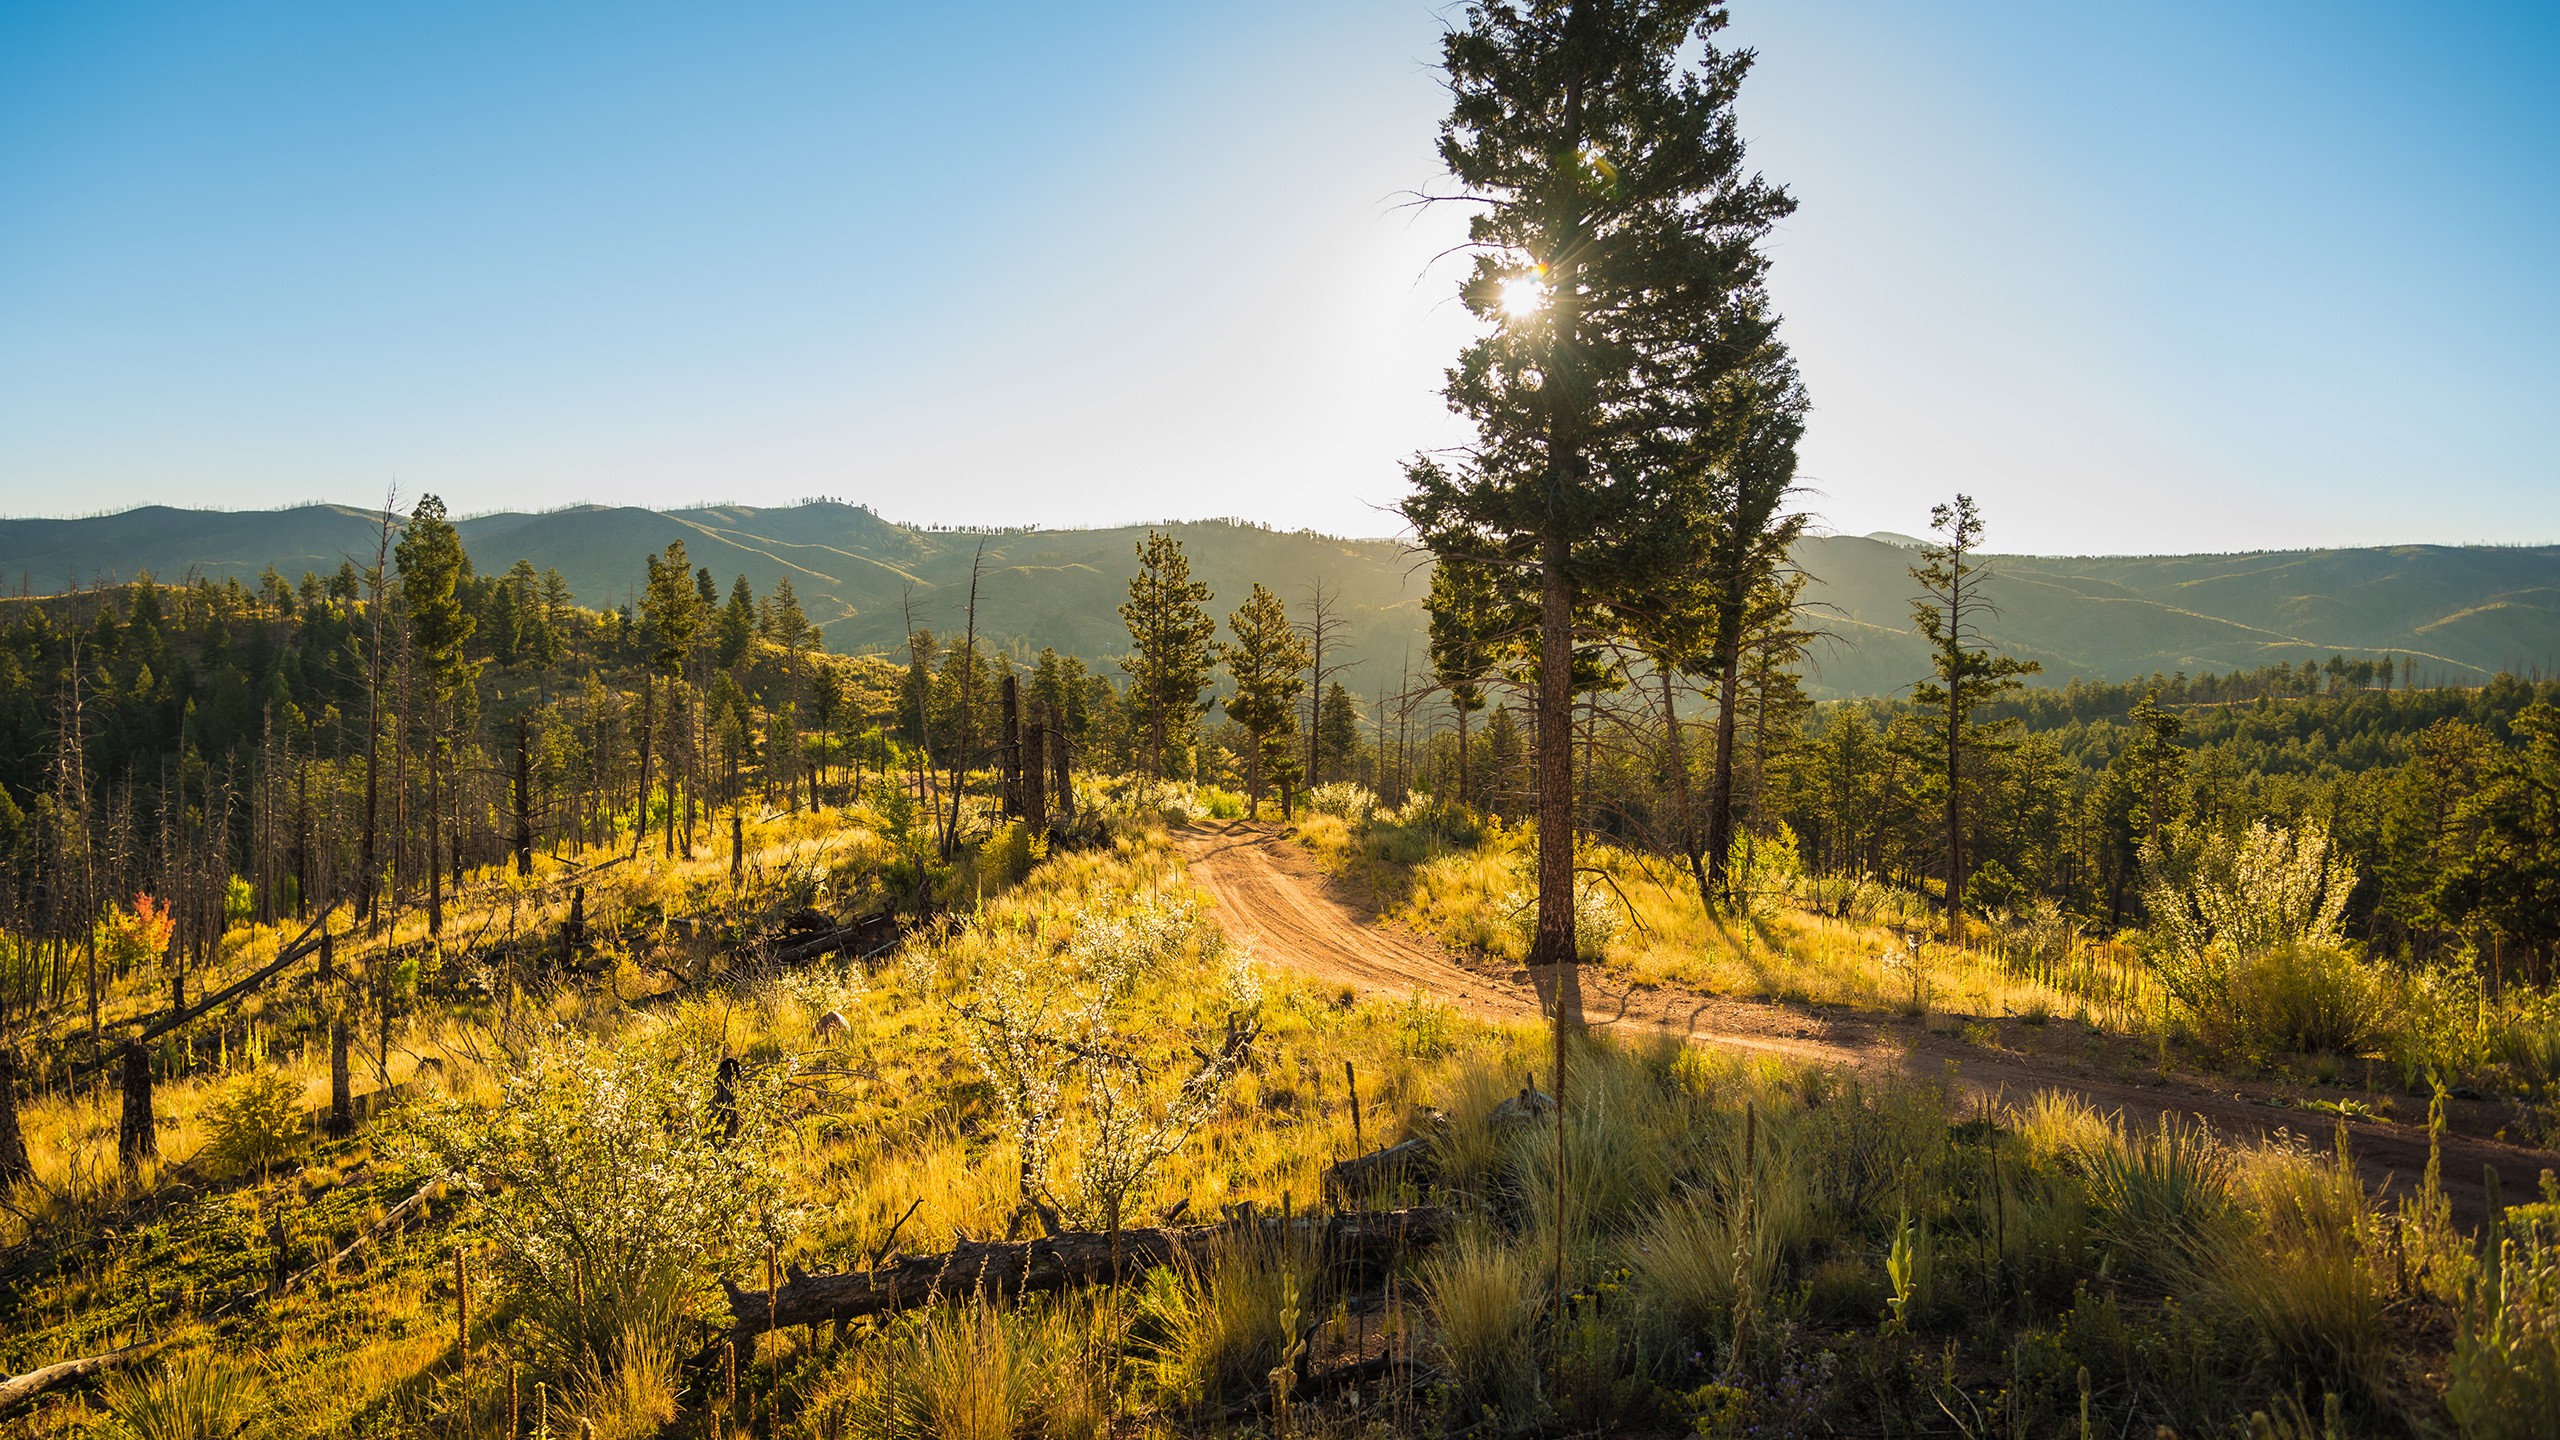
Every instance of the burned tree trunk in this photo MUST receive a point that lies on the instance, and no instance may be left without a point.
(523, 796)
(137, 1134)
(1035, 770)
(342, 1098)
(13, 1145)
(1009, 748)
(1000, 1269)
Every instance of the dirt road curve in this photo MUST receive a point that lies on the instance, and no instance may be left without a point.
(1269, 891)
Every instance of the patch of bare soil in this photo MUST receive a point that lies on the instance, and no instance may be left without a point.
(1270, 892)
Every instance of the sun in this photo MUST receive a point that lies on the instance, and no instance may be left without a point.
(1523, 295)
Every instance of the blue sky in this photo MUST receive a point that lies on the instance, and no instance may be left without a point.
(2170, 277)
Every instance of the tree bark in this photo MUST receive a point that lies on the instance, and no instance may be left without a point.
(524, 794)
(435, 849)
(14, 1166)
(640, 822)
(1009, 748)
(342, 1100)
(1035, 769)
(1554, 942)
(137, 1133)
(1728, 701)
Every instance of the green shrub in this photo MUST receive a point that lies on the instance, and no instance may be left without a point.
(2161, 1196)
(1004, 859)
(1214, 1325)
(254, 1122)
(1484, 1302)
(195, 1398)
(1344, 799)
(2304, 997)
(2504, 1381)
(2300, 1270)
(614, 1187)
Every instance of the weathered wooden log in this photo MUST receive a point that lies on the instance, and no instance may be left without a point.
(18, 1389)
(862, 937)
(998, 1268)
(1354, 1180)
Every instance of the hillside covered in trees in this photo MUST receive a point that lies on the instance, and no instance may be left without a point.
(2459, 614)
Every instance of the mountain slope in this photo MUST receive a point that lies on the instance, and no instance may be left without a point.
(2462, 612)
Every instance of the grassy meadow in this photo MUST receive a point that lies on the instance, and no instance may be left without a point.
(525, 1235)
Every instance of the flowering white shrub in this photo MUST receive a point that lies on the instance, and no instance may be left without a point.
(2221, 901)
(1091, 1114)
(1341, 797)
(614, 1185)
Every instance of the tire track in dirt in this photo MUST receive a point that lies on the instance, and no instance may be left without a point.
(1268, 891)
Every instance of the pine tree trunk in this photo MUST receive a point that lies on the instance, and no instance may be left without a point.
(640, 821)
(1554, 942)
(1035, 769)
(524, 795)
(435, 841)
(1465, 791)
(1720, 786)
(1009, 744)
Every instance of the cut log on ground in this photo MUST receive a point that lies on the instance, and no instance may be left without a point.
(19, 1389)
(1354, 1180)
(864, 936)
(999, 1269)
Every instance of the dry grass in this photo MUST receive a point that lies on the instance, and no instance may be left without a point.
(1471, 891)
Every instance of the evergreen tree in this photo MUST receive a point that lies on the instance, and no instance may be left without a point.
(2506, 878)
(1617, 224)
(1337, 735)
(737, 631)
(432, 569)
(1949, 615)
(1170, 648)
(782, 621)
(671, 615)
(1267, 659)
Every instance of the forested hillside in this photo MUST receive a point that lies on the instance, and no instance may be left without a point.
(2460, 614)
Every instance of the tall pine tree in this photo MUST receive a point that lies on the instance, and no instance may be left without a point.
(1267, 659)
(1617, 222)
(1170, 648)
(1964, 671)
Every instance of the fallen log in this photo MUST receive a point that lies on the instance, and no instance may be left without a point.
(18, 1389)
(999, 1268)
(1353, 1181)
(865, 935)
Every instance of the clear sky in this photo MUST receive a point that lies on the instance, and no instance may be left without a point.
(2175, 276)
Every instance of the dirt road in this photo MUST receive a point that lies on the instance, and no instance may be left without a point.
(1269, 891)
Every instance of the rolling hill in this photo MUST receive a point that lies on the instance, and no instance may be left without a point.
(2464, 613)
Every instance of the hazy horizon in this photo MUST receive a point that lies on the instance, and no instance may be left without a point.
(1818, 531)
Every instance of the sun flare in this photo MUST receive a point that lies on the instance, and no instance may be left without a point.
(1523, 295)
